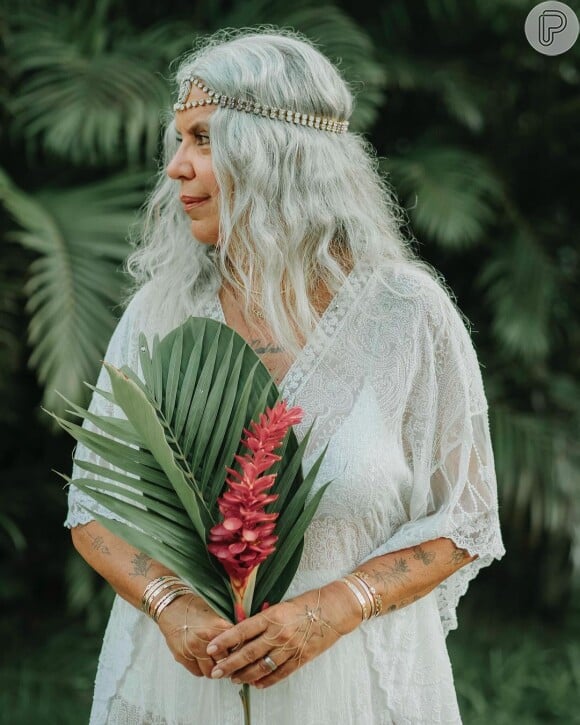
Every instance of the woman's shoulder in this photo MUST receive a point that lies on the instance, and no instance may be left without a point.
(418, 288)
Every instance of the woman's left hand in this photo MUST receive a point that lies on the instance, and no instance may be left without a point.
(288, 634)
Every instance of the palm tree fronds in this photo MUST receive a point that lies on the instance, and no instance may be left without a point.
(538, 469)
(453, 192)
(87, 85)
(521, 285)
(73, 284)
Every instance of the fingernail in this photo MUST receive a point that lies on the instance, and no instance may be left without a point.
(212, 648)
(216, 674)
(236, 681)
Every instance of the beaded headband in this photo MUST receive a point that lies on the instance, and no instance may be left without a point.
(280, 114)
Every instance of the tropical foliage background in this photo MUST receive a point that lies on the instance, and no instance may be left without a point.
(476, 131)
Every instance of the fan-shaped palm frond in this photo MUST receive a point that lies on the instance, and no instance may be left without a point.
(453, 190)
(454, 86)
(335, 34)
(521, 284)
(538, 465)
(87, 84)
(79, 236)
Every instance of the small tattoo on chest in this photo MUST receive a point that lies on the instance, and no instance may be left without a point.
(264, 349)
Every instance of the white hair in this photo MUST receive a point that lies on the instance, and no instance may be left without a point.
(297, 205)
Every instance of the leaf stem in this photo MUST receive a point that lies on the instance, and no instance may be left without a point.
(181, 457)
(245, 695)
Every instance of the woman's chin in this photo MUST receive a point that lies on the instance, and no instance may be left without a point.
(203, 236)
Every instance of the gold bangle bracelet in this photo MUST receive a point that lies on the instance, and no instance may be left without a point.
(361, 600)
(377, 598)
(167, 599)
(155, 588)
(362, 585)
(161, 596)
(150, 587)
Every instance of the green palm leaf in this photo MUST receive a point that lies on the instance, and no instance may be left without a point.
(202, 387)
(521, 284)
(79, 236)
(448, 82)
(537, 464)
(452, 192)
(87, 84)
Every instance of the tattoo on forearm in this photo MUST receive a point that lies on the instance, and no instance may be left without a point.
(427, 557)
(141, 564)
(396, 573)
(403, 603)
(98, 544)
(459, 556)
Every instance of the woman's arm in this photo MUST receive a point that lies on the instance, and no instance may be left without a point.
(126, 569)
(402, 577)
(298, 630)
(187, 623)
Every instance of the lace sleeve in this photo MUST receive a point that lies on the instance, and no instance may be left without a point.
(447, 442)
(122, 350)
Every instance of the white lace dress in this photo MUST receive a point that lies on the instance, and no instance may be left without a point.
(391, 375)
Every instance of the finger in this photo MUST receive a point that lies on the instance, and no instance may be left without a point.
(196, 654)
(248, 629)
(193, 651)
(247, 656)
(206, 665)
(281, 673)
(261, 669)
(190, 665)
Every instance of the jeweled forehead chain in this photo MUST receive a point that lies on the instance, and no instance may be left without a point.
(322, 123)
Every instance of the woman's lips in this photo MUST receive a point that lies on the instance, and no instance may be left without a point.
(191, 202)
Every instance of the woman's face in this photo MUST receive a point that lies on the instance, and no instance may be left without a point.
(192, 167)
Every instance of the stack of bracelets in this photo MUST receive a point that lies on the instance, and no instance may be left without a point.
(160, 592)
(370, 601)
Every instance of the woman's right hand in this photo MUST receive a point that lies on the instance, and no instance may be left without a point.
(188, 625)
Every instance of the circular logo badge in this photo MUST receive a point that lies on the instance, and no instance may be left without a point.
(551, 28)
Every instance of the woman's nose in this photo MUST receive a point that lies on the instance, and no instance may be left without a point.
(179, 167)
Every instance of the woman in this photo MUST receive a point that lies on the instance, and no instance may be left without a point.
(272, 219)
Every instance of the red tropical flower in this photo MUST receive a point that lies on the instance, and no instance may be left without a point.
(245, 537)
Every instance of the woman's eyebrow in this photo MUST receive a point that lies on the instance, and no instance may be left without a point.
(197, 126)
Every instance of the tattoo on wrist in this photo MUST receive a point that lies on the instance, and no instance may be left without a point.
(427, 557)
(141, 564)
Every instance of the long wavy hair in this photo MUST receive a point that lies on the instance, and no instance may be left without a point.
(298, 206)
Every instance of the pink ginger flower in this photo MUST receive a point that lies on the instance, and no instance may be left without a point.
(245, 538)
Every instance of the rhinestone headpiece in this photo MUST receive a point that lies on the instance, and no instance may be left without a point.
(280, 114)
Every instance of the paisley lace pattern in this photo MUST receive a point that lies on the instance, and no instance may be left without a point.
(391, 381)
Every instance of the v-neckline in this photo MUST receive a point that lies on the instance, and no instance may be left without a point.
(335, 305)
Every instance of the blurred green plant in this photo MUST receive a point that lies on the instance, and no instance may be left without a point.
(78, 235)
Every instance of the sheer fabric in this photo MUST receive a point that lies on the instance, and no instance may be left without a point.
(392, 379)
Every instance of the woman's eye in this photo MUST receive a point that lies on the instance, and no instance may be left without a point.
(202, 138)
(178, 138)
